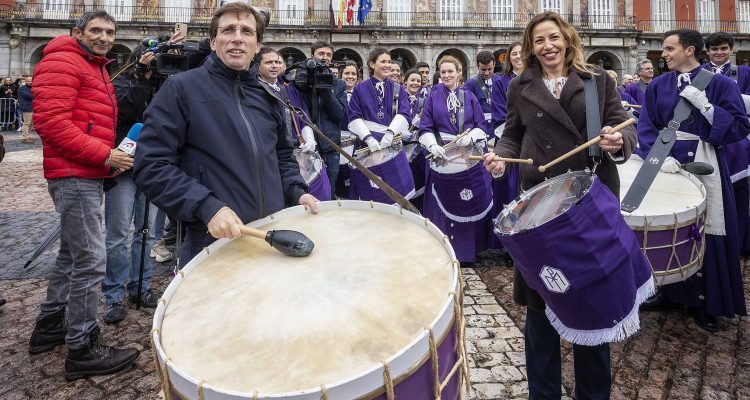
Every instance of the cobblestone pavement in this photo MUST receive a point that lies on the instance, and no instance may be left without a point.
(669, 359)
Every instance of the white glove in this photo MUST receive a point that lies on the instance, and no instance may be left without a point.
(386, 140)
(372, 144)
(428, 141)
(624, 105)
(474, 135)
(499, 131)
(407, 136)
(670, 166)
(415, 120)
(697, 97)
(636, 157)
(309, 137)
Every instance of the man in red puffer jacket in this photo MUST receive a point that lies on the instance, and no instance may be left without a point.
(75, 116)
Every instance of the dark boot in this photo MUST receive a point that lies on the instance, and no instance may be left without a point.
(48, 332)
(97, 359)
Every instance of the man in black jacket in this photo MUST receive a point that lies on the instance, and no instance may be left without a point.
(328, 113)
(213, 151)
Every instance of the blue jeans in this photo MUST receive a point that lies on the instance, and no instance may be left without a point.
(81, 260)
(332, 160)
(591, 363)
(124, 205)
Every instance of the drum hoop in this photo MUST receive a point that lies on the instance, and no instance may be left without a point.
(362, 384)
(687, 216)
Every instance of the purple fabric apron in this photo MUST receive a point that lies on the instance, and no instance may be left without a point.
(588, 267)
(504, 190)
(320, 187)
(395, 172)
(459, 205)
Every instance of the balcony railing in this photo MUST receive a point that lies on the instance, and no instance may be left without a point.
(661, 26)
(311, 18)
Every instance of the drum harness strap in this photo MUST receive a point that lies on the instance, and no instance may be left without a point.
(593, 119)
(661, 147)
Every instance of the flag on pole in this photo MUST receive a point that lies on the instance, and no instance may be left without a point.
(341, 13)
(331, 16)
(364, 8)
(350, 11)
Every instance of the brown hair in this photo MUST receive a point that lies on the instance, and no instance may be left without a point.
(508, 68)
(574, 53)
(237, 8)
(351, 63)
(374, 54)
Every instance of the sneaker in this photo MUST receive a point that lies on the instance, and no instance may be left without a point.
(20, 128)
(149, 298)
(97, 359)
(160, 253)
(48, 332)
(114, 313)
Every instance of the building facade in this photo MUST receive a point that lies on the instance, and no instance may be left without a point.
(615, 33)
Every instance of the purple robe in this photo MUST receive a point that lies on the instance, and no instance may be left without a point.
(468, 225)
(738, 156)
(475, 86)
(364, 104)
(720, 284)
(505, 189)
(638, 95)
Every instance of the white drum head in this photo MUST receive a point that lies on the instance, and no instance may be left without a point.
(680, 194)
(247, 318)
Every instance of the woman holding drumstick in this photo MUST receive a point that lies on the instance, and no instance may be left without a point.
(546, 118)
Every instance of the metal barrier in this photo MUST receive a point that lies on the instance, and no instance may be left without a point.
(7, 113)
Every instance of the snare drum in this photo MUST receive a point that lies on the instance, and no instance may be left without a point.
(241, 320)
(458, 198)
(569, 241)
(313, 171)
(669, 223)
(390, 165)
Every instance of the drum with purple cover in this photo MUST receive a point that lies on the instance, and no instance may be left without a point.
(458, 199)
(669, 223)
(313, 171)
(569, 241)
(390, 164)
(350, 321)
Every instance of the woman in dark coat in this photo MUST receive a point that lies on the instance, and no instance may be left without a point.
(547, 118)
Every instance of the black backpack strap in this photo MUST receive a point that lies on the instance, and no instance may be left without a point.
(593, 119)
(661, 147)
(461, 102)
(734, 72)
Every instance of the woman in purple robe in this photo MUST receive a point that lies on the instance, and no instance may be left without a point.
(379, 110)
(505, 188)
(718, 118)
(458, 203)
(414, 151)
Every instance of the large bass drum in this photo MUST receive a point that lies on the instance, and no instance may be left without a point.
(366, 316)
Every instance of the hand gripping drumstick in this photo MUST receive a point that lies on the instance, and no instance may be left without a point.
(291, 243)
(585, 145)
(631, 105)
(508, 160)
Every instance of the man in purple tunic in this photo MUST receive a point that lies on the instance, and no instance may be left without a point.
(719, 47)
(481, 86)
(718, 117)
(637, 90)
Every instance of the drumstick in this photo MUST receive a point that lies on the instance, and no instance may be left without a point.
(366, 149)
(593, 141)
(508, 160)
(291, 243)
(631, 105)
(450, 144)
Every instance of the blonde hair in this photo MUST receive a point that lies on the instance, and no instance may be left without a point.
(574, 53)
(452, 60)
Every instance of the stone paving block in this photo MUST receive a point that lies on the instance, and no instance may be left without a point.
(506, 373)
(489, 360)
(490, 309)
(490, 391)
(516, 358)
(481, 321)
(710, 393)
(478, 284)
(485, 300)
(492, 346)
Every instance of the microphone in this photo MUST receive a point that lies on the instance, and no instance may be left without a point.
(128, 144)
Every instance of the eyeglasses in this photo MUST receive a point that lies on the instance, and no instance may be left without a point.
(229, 31)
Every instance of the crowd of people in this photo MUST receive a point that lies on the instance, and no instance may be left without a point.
(16, 106)
(218, 149)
